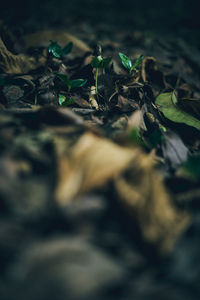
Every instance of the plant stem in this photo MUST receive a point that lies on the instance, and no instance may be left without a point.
(96, 81)
(36, 99)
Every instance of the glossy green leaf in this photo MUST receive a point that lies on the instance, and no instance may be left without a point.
(77, 82)
(137, 63)
(61, 99)
(55, 49)
(67, 49)
(127, 63)
(167, 104)
(105, 62)
(96, 61)
(71, 83)
(58, 51)
(63, 77)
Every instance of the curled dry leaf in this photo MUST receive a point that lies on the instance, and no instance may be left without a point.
(92, 98)
(95, 161)
(18, 64)
(145, 198)
(150, 72)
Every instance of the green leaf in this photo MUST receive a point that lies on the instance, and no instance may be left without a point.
(77, 82)
(63, 77)
(71, 83)
(64, 102)
(96, 61)
(137, 63)
(69, 102)
(67, 49)
(61, 99)
(166, 103)
(127, 63)
(105, 62)
(55, 49)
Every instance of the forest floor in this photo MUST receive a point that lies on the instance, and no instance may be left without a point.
(99, 163)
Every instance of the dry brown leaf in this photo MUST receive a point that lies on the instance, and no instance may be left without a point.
(92, 98)
(18, 64)
(95, 161)
(150, 72)
(42, 39)
(145, 198)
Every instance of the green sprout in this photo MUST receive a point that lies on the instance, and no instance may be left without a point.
(56, 50)
(127, 63)
(71, 83)
(99, 62)
(63, 101)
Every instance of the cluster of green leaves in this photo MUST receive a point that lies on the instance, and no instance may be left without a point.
(128, 64)
(75, 83)
(56, 50)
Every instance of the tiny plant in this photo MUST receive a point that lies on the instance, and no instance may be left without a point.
(127, 63)
(71, 83)
(99, 62)
(63, 101)
(56, 50)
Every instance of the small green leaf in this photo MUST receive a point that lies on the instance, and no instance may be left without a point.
(77, 82)
(65, 79)
(127, 63)
(71, 83)
(67, 49)
(96, 61)
(64, 102)
(166, 103)
(55, 49)
(105, 62)
(137, 63)
(61, 99)
(69, 102)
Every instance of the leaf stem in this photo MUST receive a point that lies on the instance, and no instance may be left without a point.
(96, 80)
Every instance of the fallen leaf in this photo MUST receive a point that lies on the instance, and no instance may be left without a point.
(167, 104)
(18, 64)
(190, 105)
(150, 72)
(94, 162)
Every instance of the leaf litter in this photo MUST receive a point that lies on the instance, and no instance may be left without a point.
(114, 176)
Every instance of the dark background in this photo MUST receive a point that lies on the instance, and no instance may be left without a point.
(164, 15)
